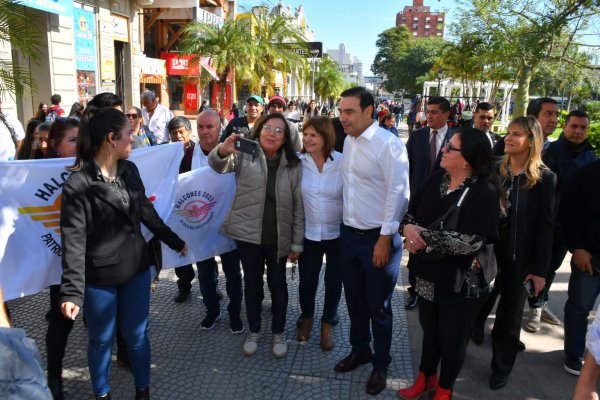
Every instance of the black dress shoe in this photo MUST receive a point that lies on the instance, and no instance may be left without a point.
(477, 335)
(353, 360)
(105, 397)
(498, 381)
(377, 381)
(142, 394)
(411, 301)
(181, 296)
(521, 346)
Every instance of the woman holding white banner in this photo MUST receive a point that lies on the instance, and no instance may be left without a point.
(105, 257)
(266, 219)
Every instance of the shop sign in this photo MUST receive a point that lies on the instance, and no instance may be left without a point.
(85, 39)
(107, 51)
(190, 92)
(120, 28)
(180, 64)
(208, 18)
(62, 7)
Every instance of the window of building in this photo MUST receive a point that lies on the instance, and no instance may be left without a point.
(416, 19)
(427, 26)
(415, 26)
(414, 33)
(427, 19)
(426, 33)
(440, 19)
(403, 19)
(439, 34)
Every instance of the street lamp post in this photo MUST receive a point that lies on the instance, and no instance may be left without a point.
(440, 76)
(313, 59)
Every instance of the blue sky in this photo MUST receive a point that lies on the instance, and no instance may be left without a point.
(351, 23)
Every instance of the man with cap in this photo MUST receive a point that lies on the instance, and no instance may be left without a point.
(277, 104)
(254, 108)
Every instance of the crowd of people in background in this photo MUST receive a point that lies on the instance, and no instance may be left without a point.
(482, 217)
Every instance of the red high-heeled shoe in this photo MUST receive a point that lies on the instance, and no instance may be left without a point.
(421, 386)
(442, 394)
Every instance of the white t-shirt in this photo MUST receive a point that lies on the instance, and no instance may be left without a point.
(7, 146)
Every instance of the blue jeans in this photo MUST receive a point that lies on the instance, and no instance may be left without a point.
(583, 290)
(131, 303)
(309, 267)
(208, 275)
(368, 292)
(254, 257)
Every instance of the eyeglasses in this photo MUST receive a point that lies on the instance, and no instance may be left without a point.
(269, 128)
(132, 116)
(450, 148)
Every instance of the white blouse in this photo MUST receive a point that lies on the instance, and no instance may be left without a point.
(322, 197)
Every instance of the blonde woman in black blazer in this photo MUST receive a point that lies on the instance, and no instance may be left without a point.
(105, 258)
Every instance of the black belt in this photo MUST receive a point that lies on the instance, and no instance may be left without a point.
(363, 231)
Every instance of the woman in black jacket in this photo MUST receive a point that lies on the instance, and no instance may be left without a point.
(105, 257)
(526, 229)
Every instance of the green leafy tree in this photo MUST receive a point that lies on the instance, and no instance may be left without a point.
(530, 32)
(272, 36)
(404, 61)
(229, 46)
(329, 81)
(17, 29)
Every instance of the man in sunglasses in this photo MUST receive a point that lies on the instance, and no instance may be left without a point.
(157, 116)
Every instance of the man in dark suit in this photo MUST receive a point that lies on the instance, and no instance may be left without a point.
(424, 157)
(483, 119)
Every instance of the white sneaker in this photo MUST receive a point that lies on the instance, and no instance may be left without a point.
(251, 344)
(533, 321)
(279, 345)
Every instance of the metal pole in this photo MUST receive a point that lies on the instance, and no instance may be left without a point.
(313, 79)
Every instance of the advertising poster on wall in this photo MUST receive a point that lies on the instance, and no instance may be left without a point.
(85, 54)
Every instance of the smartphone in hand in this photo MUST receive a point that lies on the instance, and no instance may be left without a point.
(246, 146)
(529, 288)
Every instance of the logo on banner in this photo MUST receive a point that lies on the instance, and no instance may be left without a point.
(195, 209)
(48, 216)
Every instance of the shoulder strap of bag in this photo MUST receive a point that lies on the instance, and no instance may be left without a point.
(449, 221)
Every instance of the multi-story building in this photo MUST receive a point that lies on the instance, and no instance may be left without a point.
(421, 21)
(350, 66)
(86, 47)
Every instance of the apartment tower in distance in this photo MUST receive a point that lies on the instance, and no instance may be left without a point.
(419, 20)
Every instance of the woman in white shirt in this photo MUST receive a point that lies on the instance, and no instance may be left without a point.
(322, 197)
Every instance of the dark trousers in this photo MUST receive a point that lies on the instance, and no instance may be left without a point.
(254, 257)
(507, 326)
(446, 327)
(208, 274)
(309, 266)
(57, 335)
(489, 304)
(559, 251)
(368, 292)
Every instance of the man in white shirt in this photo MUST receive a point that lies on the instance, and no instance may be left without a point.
(376, 192)
(11, 134)
(156, 116)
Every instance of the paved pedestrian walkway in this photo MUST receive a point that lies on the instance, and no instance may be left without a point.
(191, 364)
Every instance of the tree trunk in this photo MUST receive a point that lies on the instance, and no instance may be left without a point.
(522, 93)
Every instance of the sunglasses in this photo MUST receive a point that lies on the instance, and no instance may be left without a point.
(449, 147)
(132, 116)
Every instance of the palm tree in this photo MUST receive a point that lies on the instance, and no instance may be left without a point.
(275, 39)
(329, 81)
(230, 47)
(16, 28)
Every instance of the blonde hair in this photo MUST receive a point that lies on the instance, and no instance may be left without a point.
(534, 164)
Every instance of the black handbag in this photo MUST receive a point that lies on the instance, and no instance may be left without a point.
(446, 222)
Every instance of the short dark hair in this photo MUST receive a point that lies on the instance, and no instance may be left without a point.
(366, 98)
(535, 105)
(55, 99)
(485, 106)
(288, 146)
(105, 99)
(577, 114)
(441, 101)
(178, 122)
